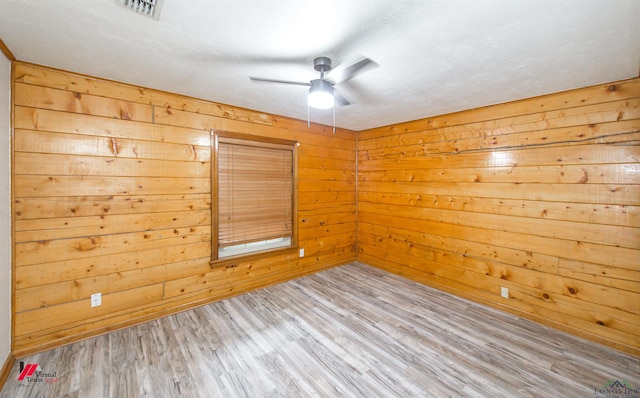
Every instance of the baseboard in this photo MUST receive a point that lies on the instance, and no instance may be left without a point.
(6, 370)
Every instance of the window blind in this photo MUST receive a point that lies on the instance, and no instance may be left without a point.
(255, 188)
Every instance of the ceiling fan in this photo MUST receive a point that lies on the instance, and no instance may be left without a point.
(322, 93)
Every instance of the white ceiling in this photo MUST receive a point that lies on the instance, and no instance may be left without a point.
(434, 56)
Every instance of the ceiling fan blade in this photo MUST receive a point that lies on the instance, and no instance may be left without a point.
(354, 70)
(339, 99)
(260, 79)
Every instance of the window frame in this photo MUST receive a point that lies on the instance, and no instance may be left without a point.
(231, 137)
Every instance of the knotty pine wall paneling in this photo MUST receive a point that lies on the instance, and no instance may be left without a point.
(541, 196)
(112, 194)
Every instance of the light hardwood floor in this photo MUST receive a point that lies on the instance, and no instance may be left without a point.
(351, 331)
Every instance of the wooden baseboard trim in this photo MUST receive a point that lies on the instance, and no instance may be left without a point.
(6, 370)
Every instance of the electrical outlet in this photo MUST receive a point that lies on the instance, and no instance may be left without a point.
(504, 292)
(302, 252)
(96, 299)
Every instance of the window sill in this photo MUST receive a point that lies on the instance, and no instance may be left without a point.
(232, 262)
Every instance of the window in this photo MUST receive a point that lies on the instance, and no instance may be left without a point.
(254, 191)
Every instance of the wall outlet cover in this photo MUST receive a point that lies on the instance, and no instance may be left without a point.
(96, 299)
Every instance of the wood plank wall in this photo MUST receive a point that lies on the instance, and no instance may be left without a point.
(112, 194)
(540, 196)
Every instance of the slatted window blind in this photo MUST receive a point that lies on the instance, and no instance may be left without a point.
(255, 193)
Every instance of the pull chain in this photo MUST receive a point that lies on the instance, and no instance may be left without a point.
(334, 119)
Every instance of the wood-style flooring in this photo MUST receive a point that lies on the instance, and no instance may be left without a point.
(352, 331)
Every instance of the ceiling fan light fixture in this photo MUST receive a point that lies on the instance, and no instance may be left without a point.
(321, 95)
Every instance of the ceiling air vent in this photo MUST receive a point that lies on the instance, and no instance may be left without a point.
(149, 8)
